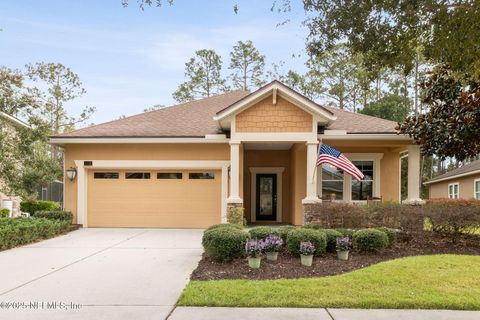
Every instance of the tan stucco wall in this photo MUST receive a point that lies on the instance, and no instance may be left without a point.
(267, 117)
(136, 152)
(267, 158)
(389, 165)
(465, 185)
(298, 160)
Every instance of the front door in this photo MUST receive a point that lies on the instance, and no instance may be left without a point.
(266, 197)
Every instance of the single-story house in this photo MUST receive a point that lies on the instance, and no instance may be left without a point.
(184, 166)
(463, 182)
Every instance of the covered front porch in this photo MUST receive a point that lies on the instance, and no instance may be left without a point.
(276, 179)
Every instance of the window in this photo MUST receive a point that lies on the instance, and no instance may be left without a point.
(453, 190)
(169, 175)
(105, 175)
(332, 182)
(137, 175)
(201, 175)
(362, 190)
(476, 189)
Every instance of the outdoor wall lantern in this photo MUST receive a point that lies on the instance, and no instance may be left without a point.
(71, 173)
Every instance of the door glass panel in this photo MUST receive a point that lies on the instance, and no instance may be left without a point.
(266, 196)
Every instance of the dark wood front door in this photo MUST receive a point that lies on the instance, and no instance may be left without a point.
(266, 197)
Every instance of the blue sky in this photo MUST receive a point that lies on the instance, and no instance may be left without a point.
(129, 60)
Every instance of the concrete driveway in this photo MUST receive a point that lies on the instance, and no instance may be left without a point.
(99, 274)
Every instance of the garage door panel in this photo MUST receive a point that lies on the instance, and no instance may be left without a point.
(170, 203)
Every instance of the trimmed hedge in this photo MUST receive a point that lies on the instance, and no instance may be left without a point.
(316, 237)
(224, 225)
(346, 232)
(262, 232)
(224, 244)
(332, 236)
(55, 215)
(32, 206)
(370, 240)
(391, 234)
(19, 231)
(4, 213)
(283, 232)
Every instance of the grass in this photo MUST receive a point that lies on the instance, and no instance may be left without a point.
(423, 282)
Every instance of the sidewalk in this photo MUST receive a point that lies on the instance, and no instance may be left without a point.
(206, 313)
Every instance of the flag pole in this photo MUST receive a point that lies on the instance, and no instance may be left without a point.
(315, 169)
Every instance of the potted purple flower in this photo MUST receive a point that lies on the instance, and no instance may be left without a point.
(271, 246)
(307, 249)
(254, 249)
(343, 247)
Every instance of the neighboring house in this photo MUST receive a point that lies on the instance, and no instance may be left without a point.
(185, 165)
(463, 182)
(7, 125)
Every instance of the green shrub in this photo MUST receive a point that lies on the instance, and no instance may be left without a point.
(391, 234)
(370, 240)
(346, 232)
(236, 216)
(283, 231)
(224, 244)
(315, 226)
(55, 215)
(262, 232)
(19, 231)
(332, 236)
(224, 225)
(317, 237)
(32, 206)
(4, 213)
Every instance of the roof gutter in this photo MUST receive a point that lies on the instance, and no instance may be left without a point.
(210, 138)
(365, 136)
(15, 120)
(452, 177)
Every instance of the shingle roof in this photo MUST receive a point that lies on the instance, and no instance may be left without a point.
(195, 119)
(191, 119)
(360, 123)
(471, 167)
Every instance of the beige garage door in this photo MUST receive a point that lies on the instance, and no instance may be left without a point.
(148, 198)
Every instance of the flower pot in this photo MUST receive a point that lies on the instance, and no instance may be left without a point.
(254, 263)
(272, 256)
(306, 260)
(342, 255)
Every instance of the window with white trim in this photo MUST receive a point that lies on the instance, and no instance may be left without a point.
(332, 182)
(363, 189)
(453, 189)
(476, 189)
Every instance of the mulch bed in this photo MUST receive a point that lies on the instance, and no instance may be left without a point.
(288, 266)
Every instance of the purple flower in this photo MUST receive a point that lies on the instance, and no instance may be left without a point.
(254, 247)
(272, 243)
(307, 248)
(344, 244)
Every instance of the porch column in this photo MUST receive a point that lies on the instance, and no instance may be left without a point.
(234, 197)
(311, 197)
(413, 190)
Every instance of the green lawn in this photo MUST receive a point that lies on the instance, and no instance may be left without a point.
(427, 282)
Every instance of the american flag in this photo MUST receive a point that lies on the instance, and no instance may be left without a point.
(334, 157)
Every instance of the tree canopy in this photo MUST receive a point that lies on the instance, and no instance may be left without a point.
(247, 65)
(203, 72)
(391, 107)
(450, 128)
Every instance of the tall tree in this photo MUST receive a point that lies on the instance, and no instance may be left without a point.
(58, 85)
(204, 77)
(14, 97)
(390, 32)
(336, 69)
(391, 107)
(450, 128)
(247, 65)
